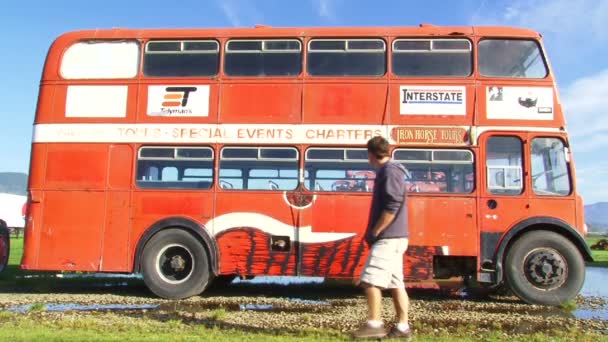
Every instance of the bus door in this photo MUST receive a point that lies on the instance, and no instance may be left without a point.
(442, 207)
(339, 182)
(551, 186)
(503, 196)
(254, 223)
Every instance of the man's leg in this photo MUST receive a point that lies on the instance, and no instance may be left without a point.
(374, 303)
(401, 302)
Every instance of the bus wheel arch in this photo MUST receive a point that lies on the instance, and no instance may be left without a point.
(542, 261)
(177, 257)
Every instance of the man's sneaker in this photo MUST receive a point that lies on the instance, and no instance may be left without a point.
(367, 332)
(396, 333)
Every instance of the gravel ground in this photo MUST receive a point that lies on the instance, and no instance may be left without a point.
(296, 307)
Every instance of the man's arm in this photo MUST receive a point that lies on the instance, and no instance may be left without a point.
(383, 222)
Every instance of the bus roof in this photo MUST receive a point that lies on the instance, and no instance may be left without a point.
(266, 31)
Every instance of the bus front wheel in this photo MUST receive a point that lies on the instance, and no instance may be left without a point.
(175, 265)
(544, 267)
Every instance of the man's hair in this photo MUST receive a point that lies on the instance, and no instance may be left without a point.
(378, 146)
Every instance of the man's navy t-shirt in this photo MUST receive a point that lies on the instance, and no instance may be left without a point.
(389, 195)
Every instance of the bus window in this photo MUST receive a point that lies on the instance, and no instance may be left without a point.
(338, 170)
(259, 168)
(550, 174)
(263, 57)
(182, 58)
(511, 58)
(175, 167)
(504, 165)
(437, 171)
(432, 57)
(101, 60)
(346, 57)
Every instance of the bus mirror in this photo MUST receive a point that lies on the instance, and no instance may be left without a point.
(567, 154)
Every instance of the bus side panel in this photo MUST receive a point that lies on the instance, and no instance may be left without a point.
(73, 207)
(363, 103)
(71, 230)
(560, 208)
(251, 103)
(34, 210)
(115, 250)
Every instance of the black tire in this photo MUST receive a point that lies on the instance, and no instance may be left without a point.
(5, 246)
(175, 265)
(543, 267)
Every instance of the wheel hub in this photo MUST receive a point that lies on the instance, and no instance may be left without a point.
(545, 268)
(178, 263)
(175, 263)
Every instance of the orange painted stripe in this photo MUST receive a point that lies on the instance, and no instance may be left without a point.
(171, 104)
(173, 96)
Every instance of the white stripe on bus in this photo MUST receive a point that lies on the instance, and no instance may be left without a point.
(322, 134)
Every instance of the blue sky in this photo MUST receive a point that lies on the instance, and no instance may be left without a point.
(574, 32)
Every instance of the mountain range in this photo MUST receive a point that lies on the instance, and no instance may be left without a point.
(596, 215)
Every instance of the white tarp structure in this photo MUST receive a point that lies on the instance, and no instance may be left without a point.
(11, 209)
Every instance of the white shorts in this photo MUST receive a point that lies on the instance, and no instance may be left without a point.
(384, 266)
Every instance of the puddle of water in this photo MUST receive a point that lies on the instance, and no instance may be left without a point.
(256, 307)
(100, 275)
(592, 314)
(78, 307)
(308, 301)
(595, 286)
(281, 280)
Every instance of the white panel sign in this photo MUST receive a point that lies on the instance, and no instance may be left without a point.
(89, 60)
(96, 102)
(519, 103)
(433, 100)
(178, 100)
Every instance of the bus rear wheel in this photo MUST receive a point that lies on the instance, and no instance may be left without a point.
(175, 265)
(543, 267)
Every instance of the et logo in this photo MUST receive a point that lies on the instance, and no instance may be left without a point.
(177, 96)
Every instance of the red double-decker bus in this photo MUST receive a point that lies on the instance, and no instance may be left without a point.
(191, 155)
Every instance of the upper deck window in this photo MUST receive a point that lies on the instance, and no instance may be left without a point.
(432, 57)
(347, 57)
(100, 60)
(182, 58)
(511, 58)
(263, 57)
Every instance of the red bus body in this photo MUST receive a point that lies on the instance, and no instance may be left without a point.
(88, 213)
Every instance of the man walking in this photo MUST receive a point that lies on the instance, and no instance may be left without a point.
(387, 235)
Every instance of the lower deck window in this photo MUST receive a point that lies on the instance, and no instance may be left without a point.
(437, 171)
(175, 168)
(264, 168)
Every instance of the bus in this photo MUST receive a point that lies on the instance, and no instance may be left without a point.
(199, 155)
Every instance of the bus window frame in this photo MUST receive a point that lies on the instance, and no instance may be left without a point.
(471, 50)
(246, 175)
(225, 51)
(472, 162)
(387, 59)
(539, 45)
(145, 51)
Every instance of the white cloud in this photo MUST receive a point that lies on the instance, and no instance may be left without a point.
(240, 13)
(325, 8)
(567, 18)
(585, 104)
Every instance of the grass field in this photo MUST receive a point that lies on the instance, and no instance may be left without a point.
(38, 325)
(600, 258)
